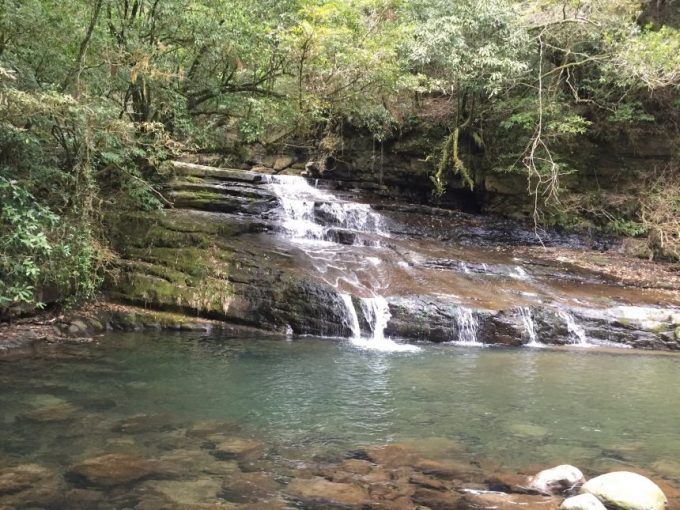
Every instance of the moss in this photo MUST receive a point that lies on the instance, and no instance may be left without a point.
(212, 296)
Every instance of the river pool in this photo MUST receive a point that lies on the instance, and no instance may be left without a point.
(316, 398)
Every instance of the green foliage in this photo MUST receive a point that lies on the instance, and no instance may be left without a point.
(95, 96)
(620, 226)
(24, 245)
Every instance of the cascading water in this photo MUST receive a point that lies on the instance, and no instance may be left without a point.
(529, 326)
(377, 313)
(576, 332)
(309, 215)
(467, 325)
(352, 317)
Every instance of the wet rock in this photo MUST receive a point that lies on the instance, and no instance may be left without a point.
(626, 491)
(582, 502)
(143, 423)
(428, 482)
(249, 488)
(112, 469)
(183, 461)
(320, 493)
(50, 414)
(390, 456)
(30, 485)
(500, 501)
(446, 470)
(204, 429)
(177, 493)
(505, 328)
(226, 448)
(357, 466)
(564, 479)
(83, 499)
(528, 430)
(509, 482)
(270, 504)
(436, 500)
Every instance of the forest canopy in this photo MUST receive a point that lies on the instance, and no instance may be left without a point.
(96, 95)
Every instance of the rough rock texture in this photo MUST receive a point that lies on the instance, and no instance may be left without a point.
(626, 491)
(582, 502)
(318, 491)
(30, 485)
(564, 479)
(216, 255)
(113, 469)
(500, 501)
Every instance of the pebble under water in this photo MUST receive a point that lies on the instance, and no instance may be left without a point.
(151, 395)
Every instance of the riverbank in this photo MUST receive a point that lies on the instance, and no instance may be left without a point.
(87, 323)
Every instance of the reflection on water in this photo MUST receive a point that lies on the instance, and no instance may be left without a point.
(516, 407)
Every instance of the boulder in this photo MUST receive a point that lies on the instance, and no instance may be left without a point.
(582, 502)
(230, 448)
(111, 470)
(564, 479)
(446, 470)
(436, 499)
(624, 490)
(318, 491)
(249, 488)
(30, 485)
(390, 456)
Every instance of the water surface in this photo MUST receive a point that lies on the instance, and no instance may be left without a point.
(515, 407)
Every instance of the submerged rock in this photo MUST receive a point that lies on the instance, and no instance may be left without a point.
(389, 456)
(325, 494)
(626, 491)
(229, 448)
(142, 423)
(436, 499)
(249, 488)
(50, 414)
(564, 479)
(112, 469)
(501, 501)
(582, 502)
(30, 485)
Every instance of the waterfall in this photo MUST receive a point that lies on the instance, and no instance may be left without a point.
(352, 317)
(308, 214)
(467, 325)
(576, 332)
(377, 313)
(529, 326)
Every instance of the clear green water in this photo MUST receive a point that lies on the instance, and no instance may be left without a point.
(513, 407)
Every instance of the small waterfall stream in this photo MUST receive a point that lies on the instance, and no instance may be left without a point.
(576, 332)
(312, 217)
(529, 326)
(467, 325)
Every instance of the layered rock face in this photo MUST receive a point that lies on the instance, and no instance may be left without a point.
(333, 258)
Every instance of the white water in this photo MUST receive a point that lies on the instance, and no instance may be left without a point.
(576, 331)
(529, 327)
(309, 212)
(467, 326)
(352, 317)
(377, 313)
(308, 215)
